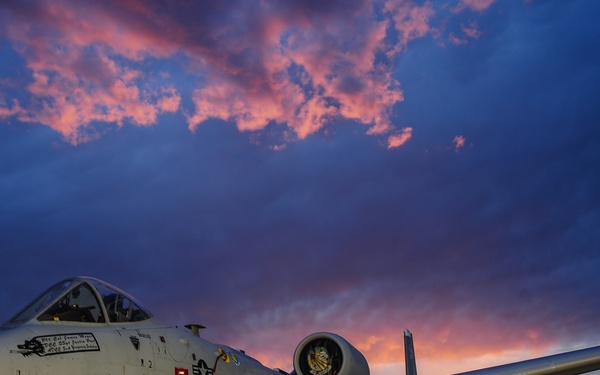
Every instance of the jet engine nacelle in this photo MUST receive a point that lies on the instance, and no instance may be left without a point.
(328, 354)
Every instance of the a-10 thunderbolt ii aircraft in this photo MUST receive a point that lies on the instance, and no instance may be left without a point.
(84, 326)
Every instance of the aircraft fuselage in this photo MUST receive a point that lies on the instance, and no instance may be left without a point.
(129, 349)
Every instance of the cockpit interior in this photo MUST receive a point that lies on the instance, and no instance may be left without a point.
(84, 300)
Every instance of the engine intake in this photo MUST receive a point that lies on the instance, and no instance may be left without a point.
(326, 353)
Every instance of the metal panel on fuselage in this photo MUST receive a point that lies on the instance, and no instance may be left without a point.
(62, 349)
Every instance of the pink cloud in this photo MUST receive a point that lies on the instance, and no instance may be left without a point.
(471, 30)
(457, 41)
(227, 101)
(410, 20)
(459, 142)
(130, 28)
(68, 104)
(339, 68)
(337, 78)
(475, 5)
(299, 65)
(77, 81)
(170, 101)
(399, 139)
(9, 112)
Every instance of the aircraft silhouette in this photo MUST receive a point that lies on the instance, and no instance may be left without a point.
(85, 326)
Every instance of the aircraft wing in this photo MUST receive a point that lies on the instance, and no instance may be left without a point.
(569, 363)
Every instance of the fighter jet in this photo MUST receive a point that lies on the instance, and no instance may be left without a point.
(85, 326)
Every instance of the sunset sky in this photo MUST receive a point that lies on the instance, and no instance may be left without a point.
(275, 168)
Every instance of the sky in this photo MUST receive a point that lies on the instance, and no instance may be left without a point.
(272, 169)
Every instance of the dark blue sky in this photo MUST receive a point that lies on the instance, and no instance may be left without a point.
(357, 167)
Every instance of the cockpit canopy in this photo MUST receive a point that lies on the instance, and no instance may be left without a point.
(85, 300)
